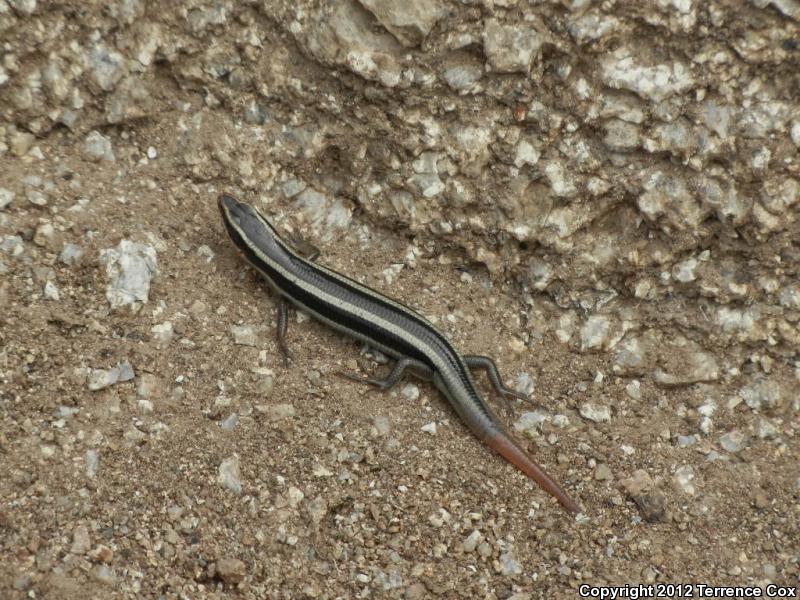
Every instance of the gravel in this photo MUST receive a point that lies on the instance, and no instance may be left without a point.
(602, 198)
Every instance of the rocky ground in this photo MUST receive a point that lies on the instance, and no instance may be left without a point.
(601, 195)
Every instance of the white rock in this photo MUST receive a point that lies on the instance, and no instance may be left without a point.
(344, 36)
(532, 421)
(764, 393)
(102, 378)
(36, 197)
(382, 425)
(92, 460)
(683, 479)
(130, 267)
(733, 441)
(26, 7)
(463, 77)
(562, 179)
(472, 541)
(51, 291)
(634, 389)
(526, 154)
(510, 47)
(98, 147)
(509, 565)
(706, 425)
(244, 335)
(627, 450)
(598, 413)
(684, 271)
(591, 25)
(594, 333)
(410, 21)
(317, 509)
(6, 197)
(766, 429)
(294, 496)
(560, 421)
(228, 474)
(795, 133)
(163, 332)
(124, 371)
(108, 67)
(410, 392)
(429, 428)
(71, 254)
(524, 383)
(81, 542)
(621, 70)
(427, 185)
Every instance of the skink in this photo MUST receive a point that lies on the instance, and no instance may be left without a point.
(391, 327)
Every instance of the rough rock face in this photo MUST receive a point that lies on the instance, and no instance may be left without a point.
(631, 168)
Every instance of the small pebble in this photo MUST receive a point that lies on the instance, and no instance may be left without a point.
(416, 591)
(130, 267)
(36, 197)
(472, 541)
(98, 147)
(509, 565)
(230, 423)
(294, 496)
(81, 543)
(634, 389)
(640, 488)
(760, 499)
(228, 474)
(6, 198)
(102, 378)
(429, 428)
(382, 425)
(733, 441)
(231, 570)
(603, 472)
(71, 254)
(44, 234)
(92, 460)
(244, 335)
(317, 509)
(20, 142)
(163, 332)
(102, 554)
(683, 479)
(410, 392)
(51, 291)
(684, 441)
(105, 575)
(595, 412)
(766, 430)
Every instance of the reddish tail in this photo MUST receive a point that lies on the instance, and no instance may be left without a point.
(506, 448)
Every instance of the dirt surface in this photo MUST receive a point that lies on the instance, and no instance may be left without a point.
(213, 470)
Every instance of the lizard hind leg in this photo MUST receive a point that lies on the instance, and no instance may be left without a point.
(420, 369)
